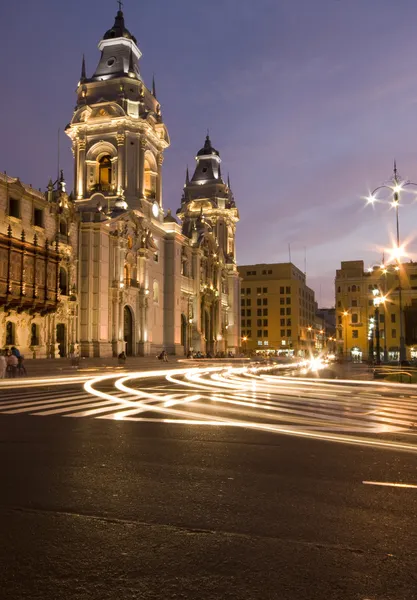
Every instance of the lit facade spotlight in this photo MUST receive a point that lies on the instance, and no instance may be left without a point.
(370, 199)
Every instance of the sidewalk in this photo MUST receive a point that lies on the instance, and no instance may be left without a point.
(50, 367)
(43, 367)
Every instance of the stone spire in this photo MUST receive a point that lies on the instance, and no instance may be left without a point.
(83, 70)
(153, 87)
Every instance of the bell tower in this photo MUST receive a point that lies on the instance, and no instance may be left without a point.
(207, 197)
(117, 131)
(209, 217)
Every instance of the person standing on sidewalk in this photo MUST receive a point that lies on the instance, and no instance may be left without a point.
(12, 363)
(3, 365)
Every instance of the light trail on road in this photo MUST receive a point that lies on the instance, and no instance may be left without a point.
(255, 398)
(263, 398)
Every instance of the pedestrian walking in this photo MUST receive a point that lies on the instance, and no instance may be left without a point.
(12, 363)
(3, 365)
(21, 369)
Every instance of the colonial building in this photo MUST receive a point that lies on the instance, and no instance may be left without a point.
(357, 318)
(142, 280)
(38, 269)
(278, 310)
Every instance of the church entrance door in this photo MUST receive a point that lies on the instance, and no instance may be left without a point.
(128, 331)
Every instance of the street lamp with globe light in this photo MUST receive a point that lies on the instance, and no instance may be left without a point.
(395, 185)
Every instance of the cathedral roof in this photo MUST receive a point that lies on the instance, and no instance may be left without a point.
(207, 148)
(119, 30)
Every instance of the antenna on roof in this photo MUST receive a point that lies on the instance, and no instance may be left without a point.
(305, 261)
(120, 3)
(289, 251)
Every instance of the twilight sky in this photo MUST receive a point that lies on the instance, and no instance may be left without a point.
(307, 101)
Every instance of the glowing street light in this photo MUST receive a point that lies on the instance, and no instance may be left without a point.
(395, 187)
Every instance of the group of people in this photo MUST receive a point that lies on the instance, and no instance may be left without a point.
(11, 363)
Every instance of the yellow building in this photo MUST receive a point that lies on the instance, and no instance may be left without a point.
(277, 310)
(369, 300)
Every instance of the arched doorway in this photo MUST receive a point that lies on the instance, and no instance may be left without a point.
(128, 331)
(61, 340)
(208, 332)
(184, 333)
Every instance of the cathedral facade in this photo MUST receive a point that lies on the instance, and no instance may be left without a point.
(141, 279)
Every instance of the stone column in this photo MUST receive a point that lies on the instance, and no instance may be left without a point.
(142, 147)
(81, 168)
(120, 162)
(160, 160)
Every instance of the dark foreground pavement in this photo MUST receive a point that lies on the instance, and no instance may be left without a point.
(117, 510)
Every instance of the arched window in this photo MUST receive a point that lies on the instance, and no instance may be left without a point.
(63, 281)
(63, 227)
(338, 290)
(156, 292)
(10, 333)
(127, 275)
(150, 176)
(34, 335)
(353, 288)
(104, 172)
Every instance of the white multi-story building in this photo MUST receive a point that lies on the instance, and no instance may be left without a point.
(143, 280)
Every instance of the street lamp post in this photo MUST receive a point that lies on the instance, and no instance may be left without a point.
(346, 314)
(395, 185)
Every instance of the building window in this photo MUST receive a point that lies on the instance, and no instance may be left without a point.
(265, 312)
(63, 281)
(265, 301)
(249, 333)
(353, 288)
(259, 322)
(104, 172)
(382, 318)
(282, 332)
(265, 290)
(289, 322)
(355, 318)
(282, 322)
(258, 290)
(393, 333)
(393, 318)
(282, 290)
(338, 289)
(248, 302)
(288, 332)
(354, 303)
(34, 335)
(282, 300)
(10, 333)
(263, 272)
(38, 217)
(249, 323)
(242, 302)
(248, 290)
(355, 333)
(156, 292)
(259, 312)
(63, 227)
(339, 304)
(259, 333)
(288, 301)
(259, 301)
(269, 271)
(248, 312)
(282, 311)
(339, 320)
(266, 333)
(265, 322)
(288, 312)
(242, 313)
(14, 208)
(288, 290)
(243, 323)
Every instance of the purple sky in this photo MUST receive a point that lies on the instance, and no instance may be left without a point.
(307, 102)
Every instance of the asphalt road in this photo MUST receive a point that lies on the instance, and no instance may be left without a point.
(117, 508)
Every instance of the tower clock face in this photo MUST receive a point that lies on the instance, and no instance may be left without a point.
(155, 209)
